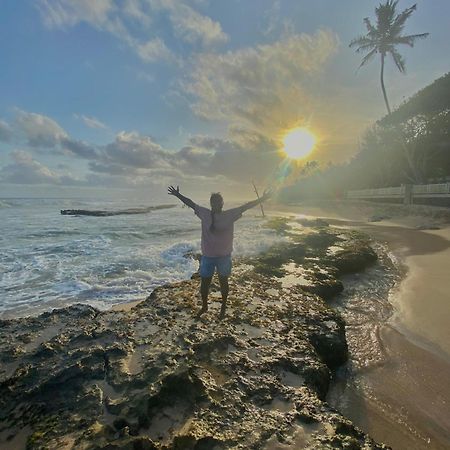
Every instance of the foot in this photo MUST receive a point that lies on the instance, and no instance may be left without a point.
(202, 311)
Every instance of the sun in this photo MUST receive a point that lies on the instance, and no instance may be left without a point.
(298, 143)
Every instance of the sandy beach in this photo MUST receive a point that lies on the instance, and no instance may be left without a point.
(409, 402)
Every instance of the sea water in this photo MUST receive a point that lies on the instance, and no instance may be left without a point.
(50, 260)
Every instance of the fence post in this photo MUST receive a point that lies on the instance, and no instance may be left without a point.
(408, 199)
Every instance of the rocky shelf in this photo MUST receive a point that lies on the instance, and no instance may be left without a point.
(155, 377)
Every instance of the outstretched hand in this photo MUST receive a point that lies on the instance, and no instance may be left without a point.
(267, 194)
(172, 191)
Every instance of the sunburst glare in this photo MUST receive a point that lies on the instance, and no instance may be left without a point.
(298, 143)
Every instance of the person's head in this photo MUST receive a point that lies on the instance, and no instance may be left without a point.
(216, 202)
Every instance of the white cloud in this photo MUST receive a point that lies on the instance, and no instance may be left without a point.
(119, 18)
(91, 122)
(131, 149)
(153, 50)
(105, 15)
(39, 130)
(239, 160)
(193, 27)
(5, 132)
(78, 148)
(136, 9)
(62, 13)
(26, 170)
(266, 87)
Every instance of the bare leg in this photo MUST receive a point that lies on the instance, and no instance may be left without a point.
(224, 291)
(204, 290)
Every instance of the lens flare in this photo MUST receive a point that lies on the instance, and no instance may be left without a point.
(298, 143)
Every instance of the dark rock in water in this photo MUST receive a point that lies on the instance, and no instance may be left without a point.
(377, 218)
(120, 212)
(353, 259)
(156, 377)
(428, 227)
(313, 222)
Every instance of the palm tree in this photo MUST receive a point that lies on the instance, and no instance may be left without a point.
(384, 38)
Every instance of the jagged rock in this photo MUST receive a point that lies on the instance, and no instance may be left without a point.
(377, 218)
(313, 222)
(156, 377)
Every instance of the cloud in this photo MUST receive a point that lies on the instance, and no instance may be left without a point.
(136, 10)
(104, 15)
(79, 148)
(134, 150)
(119, 18)
(5, 132)
(26, 170)
(154, 50)
(39, 130)
(239, 161)
(62, 13)
(91, 122)
(267, 87)
(190, 25)
(133, 159)
(193, 27)
(45, 135)
(137, 157)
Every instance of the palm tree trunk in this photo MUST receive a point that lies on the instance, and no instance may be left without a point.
(382, 84)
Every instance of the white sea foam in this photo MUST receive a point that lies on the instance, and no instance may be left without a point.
(48, 260)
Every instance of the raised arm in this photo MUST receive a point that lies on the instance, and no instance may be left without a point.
(253, 203)
(176, 192)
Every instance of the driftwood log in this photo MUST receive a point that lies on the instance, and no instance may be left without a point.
(119, 212)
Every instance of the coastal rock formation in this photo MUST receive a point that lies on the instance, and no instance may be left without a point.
(155, 377)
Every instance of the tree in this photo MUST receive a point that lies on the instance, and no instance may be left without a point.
(385, 37)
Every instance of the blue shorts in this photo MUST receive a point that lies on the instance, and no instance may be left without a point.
(208, 265)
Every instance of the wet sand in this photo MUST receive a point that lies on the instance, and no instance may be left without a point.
(422, 300)
(405, 401)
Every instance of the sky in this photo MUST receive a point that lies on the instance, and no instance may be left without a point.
(121, 98)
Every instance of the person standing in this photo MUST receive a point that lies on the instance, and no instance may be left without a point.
(216, 241)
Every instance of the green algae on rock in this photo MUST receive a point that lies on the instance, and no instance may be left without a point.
(155, 377)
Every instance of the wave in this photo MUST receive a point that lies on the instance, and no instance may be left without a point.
(5, 204)
(104, 262)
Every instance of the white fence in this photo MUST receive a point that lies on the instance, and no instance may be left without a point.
(431, 190)
(407, 192)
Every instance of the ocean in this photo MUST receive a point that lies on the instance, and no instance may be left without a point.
(49, 260)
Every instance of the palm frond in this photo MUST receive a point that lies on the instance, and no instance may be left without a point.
(368, 57)
(385, 14)
(401, 18)
(372, 31)
(409, 40)
(398, 60)
(363, 43)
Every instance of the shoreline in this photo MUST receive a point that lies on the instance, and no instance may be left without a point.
(408, 403)
(416, 337)
(158, 377)
(412, 380)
